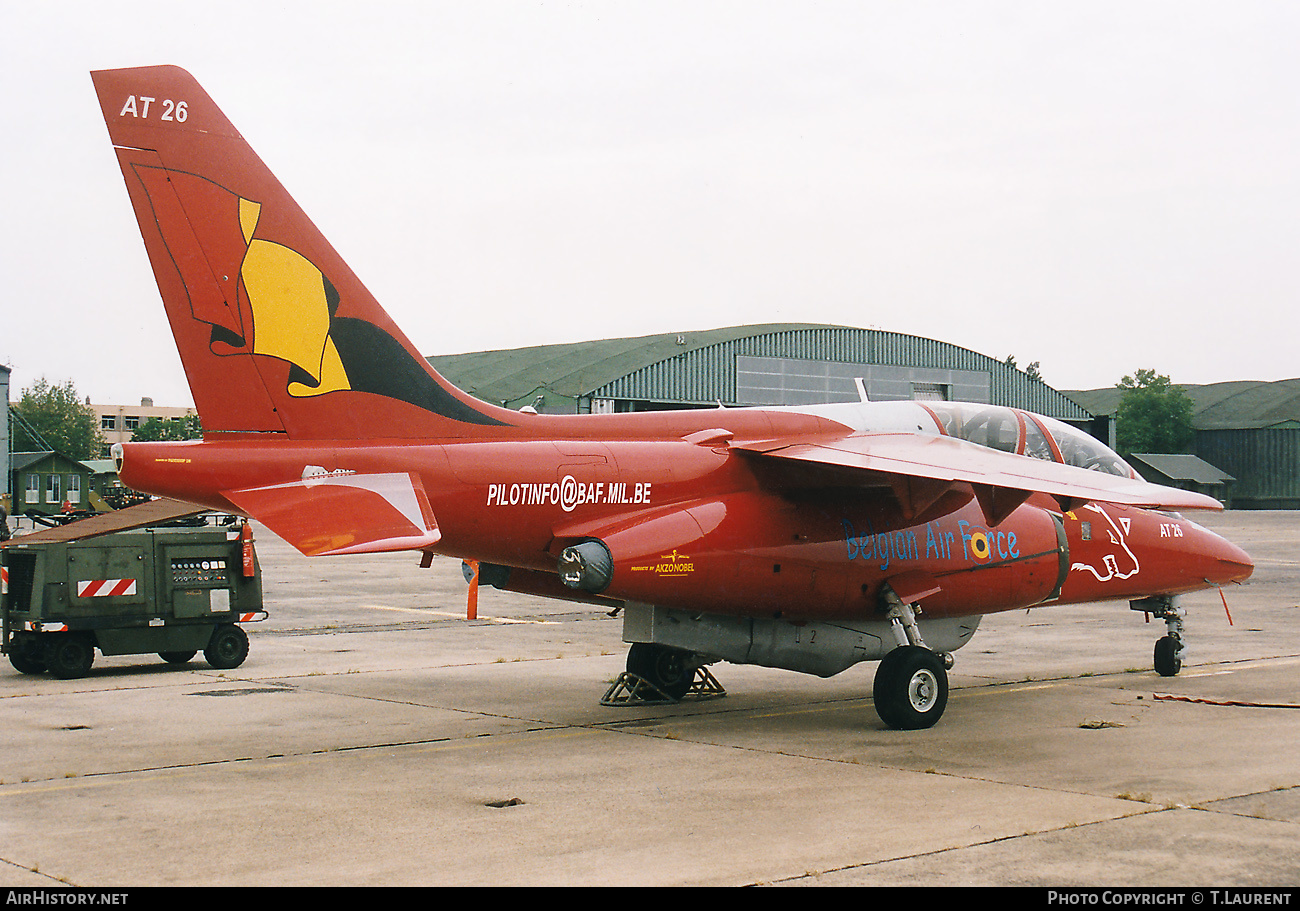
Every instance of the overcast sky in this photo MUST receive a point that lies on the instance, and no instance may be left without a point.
(1098, 186)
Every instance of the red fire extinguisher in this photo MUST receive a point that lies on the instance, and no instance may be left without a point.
(246, 540)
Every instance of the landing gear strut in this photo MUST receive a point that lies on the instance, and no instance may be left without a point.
(1170, 650)
(911, 686)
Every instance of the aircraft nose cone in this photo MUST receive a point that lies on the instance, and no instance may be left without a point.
(1184, 556)
(1217, 560)
(1231, 564)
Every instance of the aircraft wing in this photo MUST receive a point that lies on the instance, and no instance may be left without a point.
(331, 514)
(1000, 480)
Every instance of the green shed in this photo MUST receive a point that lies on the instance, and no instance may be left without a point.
(43, 481)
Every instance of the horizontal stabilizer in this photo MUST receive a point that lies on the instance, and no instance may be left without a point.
(331, 514)
(942, 458)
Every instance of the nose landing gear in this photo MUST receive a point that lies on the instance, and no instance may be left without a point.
(1170, 650)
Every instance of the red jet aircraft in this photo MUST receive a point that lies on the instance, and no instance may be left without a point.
(807, 538)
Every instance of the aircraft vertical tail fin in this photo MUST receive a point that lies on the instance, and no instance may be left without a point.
(275, 332)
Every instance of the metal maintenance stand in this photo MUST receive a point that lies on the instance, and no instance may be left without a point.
(631, 690)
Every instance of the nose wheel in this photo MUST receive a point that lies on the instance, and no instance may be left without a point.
(1168, 660)
(1170, 650)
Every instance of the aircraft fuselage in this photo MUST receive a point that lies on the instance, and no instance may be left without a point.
(694, 525)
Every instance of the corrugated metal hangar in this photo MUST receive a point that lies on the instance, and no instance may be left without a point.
(772, 364)
(1248, 430)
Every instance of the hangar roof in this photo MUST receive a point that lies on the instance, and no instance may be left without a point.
(573, 369)
(1237, 405)
(1178, 467)
(699, 366)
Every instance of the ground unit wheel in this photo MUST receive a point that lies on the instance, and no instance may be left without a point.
(911, 688)
(227, 648)
(665, 668)
(1167, 662)
(177, 657)
(25, 654)
(68, 655)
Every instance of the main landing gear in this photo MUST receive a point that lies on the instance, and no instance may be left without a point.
(1170, 651)
(668, 670)
(911, 685)
(660, 675)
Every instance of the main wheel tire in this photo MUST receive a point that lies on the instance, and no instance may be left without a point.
(911, 688)
(68, 655)
(227, 648)
(667, 669)
(1167, 662)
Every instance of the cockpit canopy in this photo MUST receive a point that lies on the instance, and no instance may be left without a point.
(1023, 433)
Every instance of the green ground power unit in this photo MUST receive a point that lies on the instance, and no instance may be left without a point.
(169, 591)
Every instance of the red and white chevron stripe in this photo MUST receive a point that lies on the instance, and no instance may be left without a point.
(105, 588)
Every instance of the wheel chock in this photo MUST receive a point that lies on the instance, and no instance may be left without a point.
(631, 690)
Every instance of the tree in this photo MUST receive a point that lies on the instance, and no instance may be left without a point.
(1154, 415)
(54, 417)
(1031, 371)
(182, 428)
